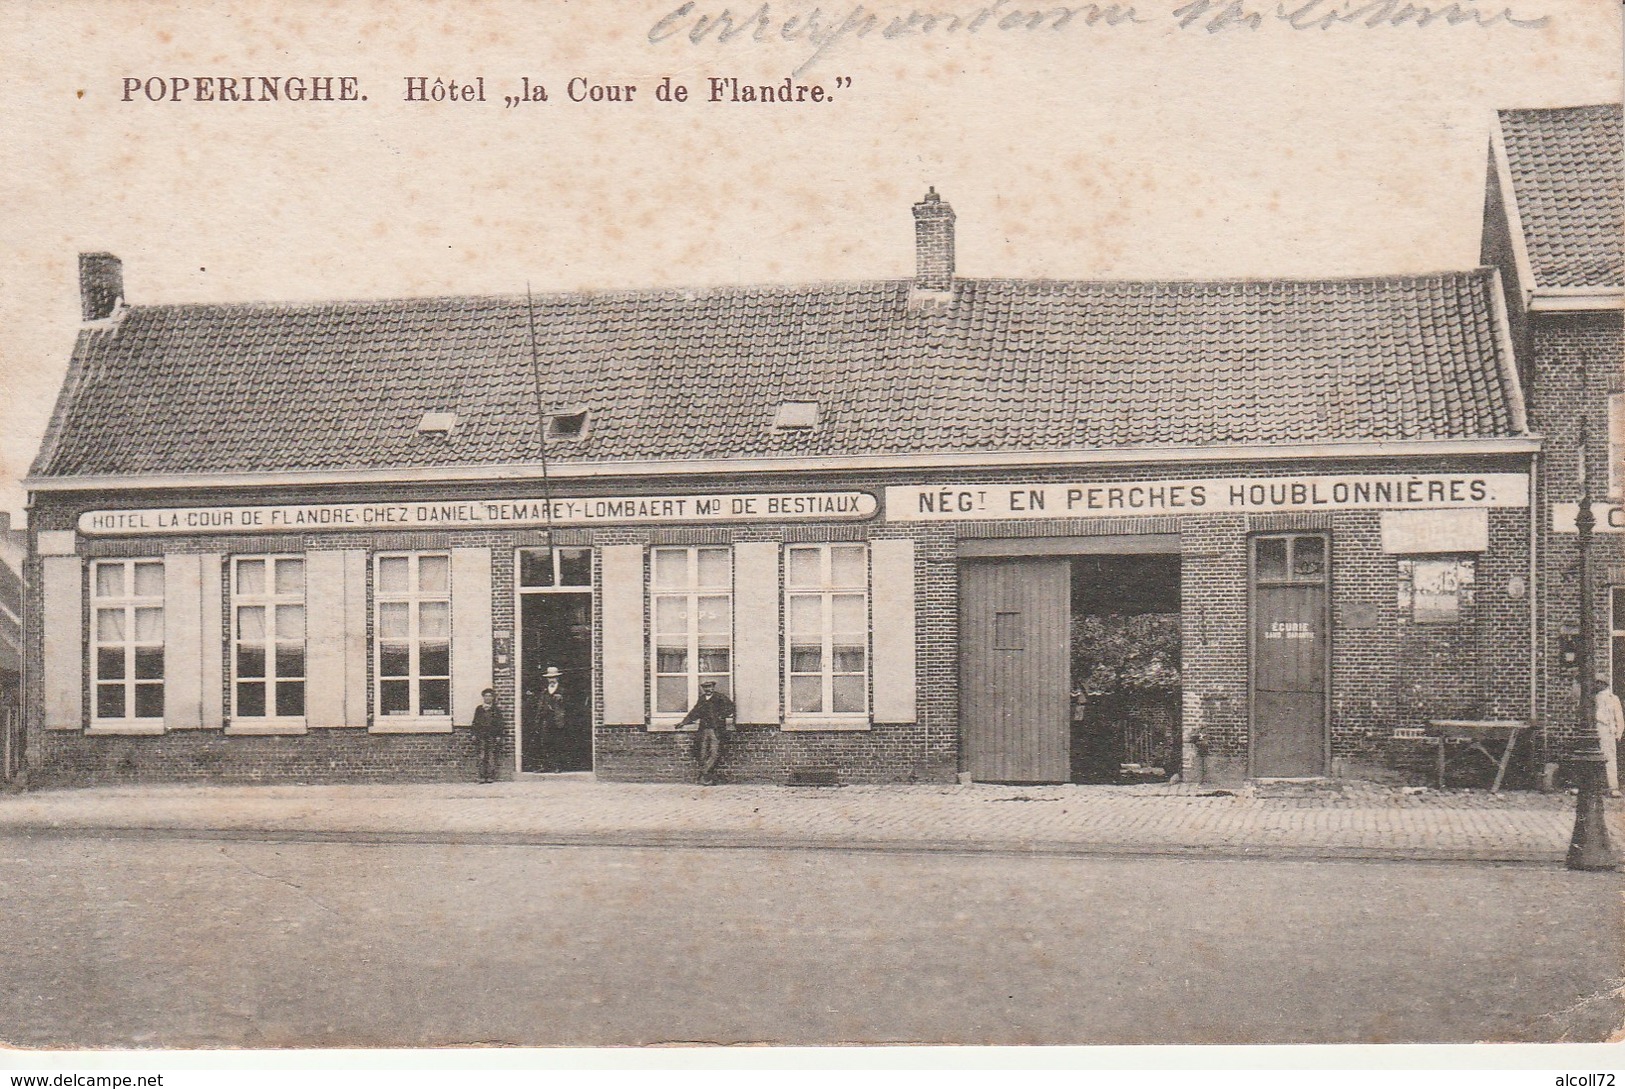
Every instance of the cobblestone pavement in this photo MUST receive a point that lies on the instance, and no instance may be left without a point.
(1335, 820)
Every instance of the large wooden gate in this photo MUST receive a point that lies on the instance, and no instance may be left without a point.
(1015, 669)
(1289, 738)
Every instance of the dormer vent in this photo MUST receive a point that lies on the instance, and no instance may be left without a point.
(437, 423)
(567, 425)
(796, 416)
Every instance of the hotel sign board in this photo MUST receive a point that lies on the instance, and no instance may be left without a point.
(1212, 495)
(484, 513)
(1610, 517)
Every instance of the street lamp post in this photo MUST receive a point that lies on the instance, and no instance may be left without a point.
(1589, 848)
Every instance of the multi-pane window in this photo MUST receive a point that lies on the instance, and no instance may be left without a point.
(268, 627)
(826, 608)
(693, 625)
(127, 625)
(412, 633)
(1436, 589)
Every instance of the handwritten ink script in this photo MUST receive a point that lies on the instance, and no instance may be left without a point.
(824, 30)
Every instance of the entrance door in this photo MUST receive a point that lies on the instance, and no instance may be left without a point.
(1015, 669)
(555, 659)
(1289, 655)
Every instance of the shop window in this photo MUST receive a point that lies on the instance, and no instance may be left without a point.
(1436, 589)
(692, 620)
(127, 639)
(826, 608)
(1616, 637)
(412, 635)
(547, 568)
(268, 634)
(567, 425)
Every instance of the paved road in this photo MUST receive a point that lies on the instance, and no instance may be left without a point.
(205, 943)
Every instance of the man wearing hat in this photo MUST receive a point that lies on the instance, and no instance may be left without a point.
(712, 713)
(488, 734)
(546, 725)
(1610, 728)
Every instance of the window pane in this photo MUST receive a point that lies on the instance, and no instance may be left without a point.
(149, 580)
(806, 659)
(846, 566)
(671, 615)
(251, 576)
(714, 617)
(671, 695)
(290, 576)
(434, 697)
(847, 695)
(806, 695)
(1272, 557)
(251, 699)
(715, 569)
(393, 576)
(250, 661)
(290, 621)
(109, 580)
(290, 660)
(110, 663)
(393, 620)
(149, 663)
(149, 701)
(1619, 608)
(394, 697)
(1619, 665)
(1308, 557)
(434, 659)
(671, 660)
(714, 659)
(251, 623)
(671, 568)
(110, 625)
(434, 620)
(806, 614)
(394, 660)
(110, 701)
(803, 568)
(434, 574)
(847, 658)
(535, 567)
(149, 625)
(290, 698)
(847, 613)
(575, 567)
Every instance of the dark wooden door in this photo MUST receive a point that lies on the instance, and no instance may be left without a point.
(1015, 669)
(1289, 655)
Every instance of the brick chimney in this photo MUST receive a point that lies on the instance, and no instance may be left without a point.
(933, 244)
(101, 285)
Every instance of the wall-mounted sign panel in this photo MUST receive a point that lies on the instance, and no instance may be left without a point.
(1219, 495)
(1610, 517)
(484, 513)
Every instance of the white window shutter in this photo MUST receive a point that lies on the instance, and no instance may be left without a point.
(211, 642)
(470, 630)
(892, 620)
(621, 567)
(63, 623)
(756, 632)
(183, 642)
(324, 638)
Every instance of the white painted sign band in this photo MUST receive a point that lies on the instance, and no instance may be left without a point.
(1610, 517)
(1214, 495)
(483, 513)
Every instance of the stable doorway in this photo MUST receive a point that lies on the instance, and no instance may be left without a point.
(1289, 655)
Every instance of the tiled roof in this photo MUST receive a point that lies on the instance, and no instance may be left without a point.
(1010, 366)
(1568, 174)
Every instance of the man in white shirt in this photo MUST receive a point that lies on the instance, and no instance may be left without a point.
(1610, 728)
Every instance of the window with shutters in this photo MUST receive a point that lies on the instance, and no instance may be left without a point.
(268, 639)
(412, 635)
(127, 642)
(826, 609)
(692, 622)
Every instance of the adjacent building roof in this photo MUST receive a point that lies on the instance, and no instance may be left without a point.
(1014, 366)
(1567, 176)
